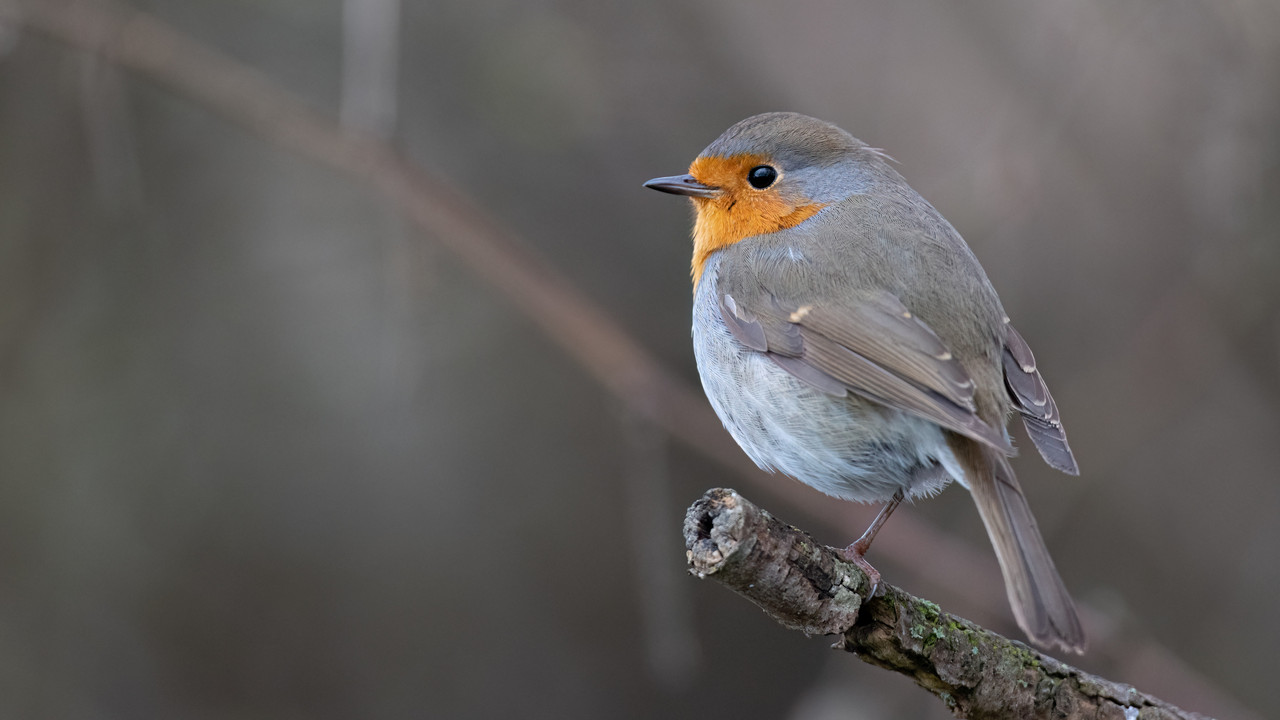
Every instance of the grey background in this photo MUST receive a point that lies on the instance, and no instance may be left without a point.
(266, 451)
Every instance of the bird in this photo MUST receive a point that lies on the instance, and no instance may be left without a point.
(846, 336)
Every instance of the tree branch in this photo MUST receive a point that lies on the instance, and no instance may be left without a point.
(808, 587)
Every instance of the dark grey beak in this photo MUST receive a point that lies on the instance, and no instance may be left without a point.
(682, 185)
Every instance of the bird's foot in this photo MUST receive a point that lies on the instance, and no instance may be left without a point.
(856, 554)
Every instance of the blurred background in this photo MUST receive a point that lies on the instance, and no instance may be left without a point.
(268, 450)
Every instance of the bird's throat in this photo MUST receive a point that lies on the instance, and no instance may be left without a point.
(720, 224)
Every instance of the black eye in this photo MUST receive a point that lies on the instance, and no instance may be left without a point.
(761, 176)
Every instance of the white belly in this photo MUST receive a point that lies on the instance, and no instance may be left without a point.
(846, 447)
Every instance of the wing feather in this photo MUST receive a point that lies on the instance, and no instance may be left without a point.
(874, 348)
(882, 330)
(1031, 398)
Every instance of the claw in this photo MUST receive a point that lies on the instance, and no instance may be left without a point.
(855, 554)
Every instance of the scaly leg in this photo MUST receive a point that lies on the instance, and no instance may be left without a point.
(856, 552)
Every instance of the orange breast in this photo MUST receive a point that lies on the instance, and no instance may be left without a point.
(740, 211)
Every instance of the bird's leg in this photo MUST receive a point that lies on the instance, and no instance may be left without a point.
(856, 552)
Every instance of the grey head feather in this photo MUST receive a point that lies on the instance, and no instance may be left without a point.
(805, 150)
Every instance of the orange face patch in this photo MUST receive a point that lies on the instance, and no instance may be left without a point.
(739, 211)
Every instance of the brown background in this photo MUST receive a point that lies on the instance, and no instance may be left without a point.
(266, 451)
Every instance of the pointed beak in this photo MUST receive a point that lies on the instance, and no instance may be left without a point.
(682, 185)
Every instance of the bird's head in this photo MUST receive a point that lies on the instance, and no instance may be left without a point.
(767, 173)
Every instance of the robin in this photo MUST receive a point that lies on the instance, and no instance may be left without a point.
(847, 336)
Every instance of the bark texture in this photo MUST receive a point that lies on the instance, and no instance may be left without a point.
(808, 587)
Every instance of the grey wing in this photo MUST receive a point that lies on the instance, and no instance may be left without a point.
(1031, 397)
(874, 348)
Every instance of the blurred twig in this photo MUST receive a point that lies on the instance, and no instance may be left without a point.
(595, 341)
(808, 587)
(143, 43)
(370, 60)
(671, 644)
(109, 136)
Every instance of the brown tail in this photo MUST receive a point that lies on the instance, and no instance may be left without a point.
(1040, 601)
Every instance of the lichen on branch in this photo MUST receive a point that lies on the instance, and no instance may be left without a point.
(809, 587)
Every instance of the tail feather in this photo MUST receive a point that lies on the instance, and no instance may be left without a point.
(1040, 601)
